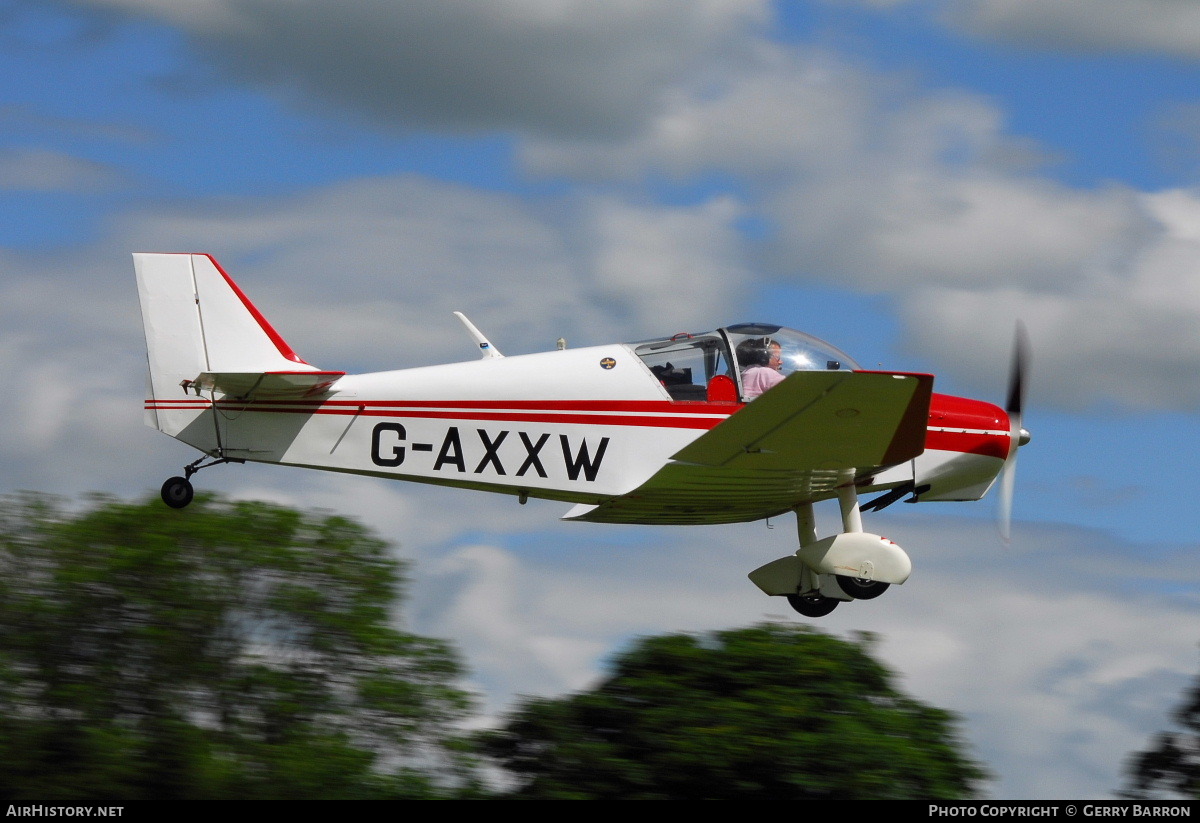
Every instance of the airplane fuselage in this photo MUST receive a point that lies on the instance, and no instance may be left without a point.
(602, 424)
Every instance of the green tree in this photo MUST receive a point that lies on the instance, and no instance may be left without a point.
(775, 710)
(1171, 766)
(231, 649)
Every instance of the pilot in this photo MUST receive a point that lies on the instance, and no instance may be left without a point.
(761, 359)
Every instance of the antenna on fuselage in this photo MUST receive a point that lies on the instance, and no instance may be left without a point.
(486, 349)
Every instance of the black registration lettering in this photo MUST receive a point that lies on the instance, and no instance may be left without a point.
(451, 451)
(582, 460)
(531, 450)
(490, 447)
(377, 449)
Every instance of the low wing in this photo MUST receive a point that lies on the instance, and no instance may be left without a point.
(787, 447)
(274, 385)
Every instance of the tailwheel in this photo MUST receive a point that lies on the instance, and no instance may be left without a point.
(812, 605)
(861, 589)
(177, 492)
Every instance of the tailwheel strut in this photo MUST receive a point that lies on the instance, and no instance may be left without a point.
(177, 492)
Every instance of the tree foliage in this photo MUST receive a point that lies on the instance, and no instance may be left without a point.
(776, 710)
(231, 649)
(1171, 766)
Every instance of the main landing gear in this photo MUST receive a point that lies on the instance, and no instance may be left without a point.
(853, 565)
(177, 492)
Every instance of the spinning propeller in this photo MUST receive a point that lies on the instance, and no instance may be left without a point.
(1013, 405)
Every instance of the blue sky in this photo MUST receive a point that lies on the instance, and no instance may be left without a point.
(905, 178)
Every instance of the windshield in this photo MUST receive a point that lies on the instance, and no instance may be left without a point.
(686, 363)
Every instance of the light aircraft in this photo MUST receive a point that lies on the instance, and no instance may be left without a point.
(663, 431)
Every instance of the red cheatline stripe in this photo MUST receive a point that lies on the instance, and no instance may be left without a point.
(580, 406)
(660, 421)
(535, 405)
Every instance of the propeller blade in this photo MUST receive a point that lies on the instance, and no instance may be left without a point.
(1014, 405)
(1008, 479)
(1017, 370)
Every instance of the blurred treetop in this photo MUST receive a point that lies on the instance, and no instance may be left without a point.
(1171, 766)
(231, 649)
(772, 711)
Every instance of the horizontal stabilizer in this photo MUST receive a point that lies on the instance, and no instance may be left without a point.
(283, 385)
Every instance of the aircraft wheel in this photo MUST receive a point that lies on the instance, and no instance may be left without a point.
(812, 605)
(861, 589)
(177, 492)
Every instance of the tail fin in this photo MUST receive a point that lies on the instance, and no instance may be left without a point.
(199, 324)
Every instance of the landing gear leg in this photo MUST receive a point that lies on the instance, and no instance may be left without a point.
(848, 502)
(809, 601)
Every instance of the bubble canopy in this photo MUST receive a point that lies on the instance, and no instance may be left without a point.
(798, 351)
(686, 363)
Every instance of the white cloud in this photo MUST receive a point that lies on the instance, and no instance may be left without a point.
(782, 112)
(878, 187)
(651, 263)
(553, 66)
(1126, 333)
(1156, 26)
(40, 170)
(904, 226)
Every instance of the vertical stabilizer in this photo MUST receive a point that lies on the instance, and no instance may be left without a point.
(197, 320)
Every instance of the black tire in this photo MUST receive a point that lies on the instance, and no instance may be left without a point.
(861, 589)
(177, 492)
(812, 605)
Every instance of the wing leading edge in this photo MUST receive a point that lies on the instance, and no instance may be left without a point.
(787, 447)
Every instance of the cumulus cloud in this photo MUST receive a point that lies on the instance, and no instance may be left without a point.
(651, 263)
(922, 196)
(366, 273)
(63, 332)
(546, 66)
(780, 113)
(1153, 26)
(1124, 332)
(43, 170)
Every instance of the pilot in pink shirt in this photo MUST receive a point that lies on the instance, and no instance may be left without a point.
(757, 379)
(763, 371)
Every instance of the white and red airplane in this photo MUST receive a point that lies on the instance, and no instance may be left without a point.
(663, 431)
